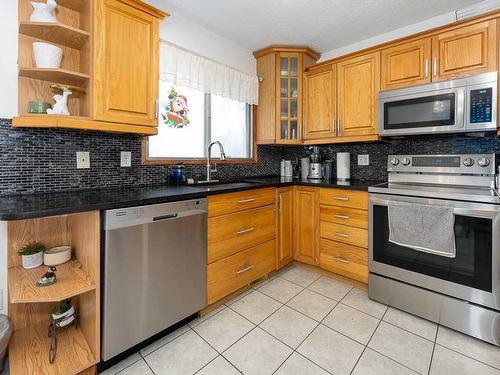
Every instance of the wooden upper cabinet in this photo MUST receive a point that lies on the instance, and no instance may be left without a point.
(358, 85)
(406, 64)
(285, 226)
(467, 50)
(320, 107)
(279, 114)
(306, 214)
(126, 63)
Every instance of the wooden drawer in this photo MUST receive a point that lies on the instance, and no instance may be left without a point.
(239, 201)
(232, 233)
(232, 273)
(344, 198)
(347, 260)
(344, 215)
(344, 233)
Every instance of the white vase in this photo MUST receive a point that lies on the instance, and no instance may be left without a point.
(33, 260)
(47, 55)
(44, 12)
(65, 322)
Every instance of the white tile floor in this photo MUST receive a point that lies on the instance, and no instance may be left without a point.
(302, 322)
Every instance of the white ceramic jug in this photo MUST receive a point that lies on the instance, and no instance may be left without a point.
(44, 12)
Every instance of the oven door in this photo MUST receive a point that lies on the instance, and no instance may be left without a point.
(439, 111)
(472, 275)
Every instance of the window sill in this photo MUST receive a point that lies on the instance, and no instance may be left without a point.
(196, 161)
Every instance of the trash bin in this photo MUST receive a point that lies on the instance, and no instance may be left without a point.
(5, 333)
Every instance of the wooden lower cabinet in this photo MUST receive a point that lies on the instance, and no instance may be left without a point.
(347, 260)
(240, 201)
(234, 272)
(344, 233)
(306, 219)
(284, 221)
(229, 234)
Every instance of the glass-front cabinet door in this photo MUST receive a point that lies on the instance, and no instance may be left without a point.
(289, 98)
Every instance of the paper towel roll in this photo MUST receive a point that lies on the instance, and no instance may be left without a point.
(343, 166)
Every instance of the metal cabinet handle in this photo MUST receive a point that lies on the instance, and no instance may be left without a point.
(157, 108)
(341, 198)
(345, 235)
(339, 128)
(426, 68)
(246, 230)
(248, 200)
(340, 260)
(434, 66)
(245, 269)
(345, 217)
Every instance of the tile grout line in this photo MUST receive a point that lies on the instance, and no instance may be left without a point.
(433, 349)
(465, 355)
(147, 364)
(366, 345)
(310, 333)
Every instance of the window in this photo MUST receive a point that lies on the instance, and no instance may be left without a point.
(190, 120)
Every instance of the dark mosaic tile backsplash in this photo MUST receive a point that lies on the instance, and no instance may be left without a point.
(36, 160)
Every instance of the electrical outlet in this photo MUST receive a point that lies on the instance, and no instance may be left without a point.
(82, 160)
(125, 159)
(364, 159)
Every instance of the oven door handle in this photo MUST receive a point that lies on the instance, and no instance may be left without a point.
(457, 211)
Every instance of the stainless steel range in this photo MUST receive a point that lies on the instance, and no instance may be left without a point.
(459, 289)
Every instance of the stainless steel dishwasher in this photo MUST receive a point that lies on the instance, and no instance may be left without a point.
(155, 265)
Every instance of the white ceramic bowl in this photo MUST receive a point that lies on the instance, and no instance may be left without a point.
(47, 55)
(57, 255)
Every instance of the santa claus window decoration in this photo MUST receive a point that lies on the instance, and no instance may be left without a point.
(176, 110)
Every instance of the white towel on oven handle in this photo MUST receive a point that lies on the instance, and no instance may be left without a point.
(421, 227)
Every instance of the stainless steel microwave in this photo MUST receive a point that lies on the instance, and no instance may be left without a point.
(456, 106)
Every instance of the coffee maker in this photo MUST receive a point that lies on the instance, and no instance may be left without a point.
(315, 165)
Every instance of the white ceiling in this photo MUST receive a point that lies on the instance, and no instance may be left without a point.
(323, 25)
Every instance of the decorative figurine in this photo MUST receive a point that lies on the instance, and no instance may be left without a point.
(44, 12)
(61, 106)
(49, 277)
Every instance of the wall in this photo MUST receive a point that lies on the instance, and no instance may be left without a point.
(8, 60)
(36, 160)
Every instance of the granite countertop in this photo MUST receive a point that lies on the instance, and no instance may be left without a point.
(26, 206)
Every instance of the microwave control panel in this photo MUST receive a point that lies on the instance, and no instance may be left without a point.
(481, 101)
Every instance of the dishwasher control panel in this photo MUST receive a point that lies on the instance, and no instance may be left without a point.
(126, 217)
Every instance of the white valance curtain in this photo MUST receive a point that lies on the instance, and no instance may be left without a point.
(188, 69)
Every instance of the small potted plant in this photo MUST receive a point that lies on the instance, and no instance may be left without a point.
(32, 254)
(64, 313)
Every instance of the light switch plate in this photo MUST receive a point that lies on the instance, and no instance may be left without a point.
(364, 159)
(125, 159)
(82, 160)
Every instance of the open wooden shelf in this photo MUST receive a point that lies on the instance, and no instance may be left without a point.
(71, 281)
(62, 76)
(55, 32)
(78, 122)
(77, 5)
(29, 351)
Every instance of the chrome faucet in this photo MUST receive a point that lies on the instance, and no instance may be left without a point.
(209, 166)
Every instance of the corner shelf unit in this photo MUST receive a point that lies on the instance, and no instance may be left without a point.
(72, 33)
(78, 349)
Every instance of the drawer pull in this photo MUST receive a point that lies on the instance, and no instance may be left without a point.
(340, 260)
(341, 198)
(247, 230)
(248, 200)
(245, 269)
(345, 235)
(345, 217)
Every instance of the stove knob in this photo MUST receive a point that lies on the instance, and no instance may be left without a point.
(394, 161)
(406, 161)
(483, 162)
(468, 162)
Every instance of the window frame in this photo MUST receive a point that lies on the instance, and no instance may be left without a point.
(146, 160)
